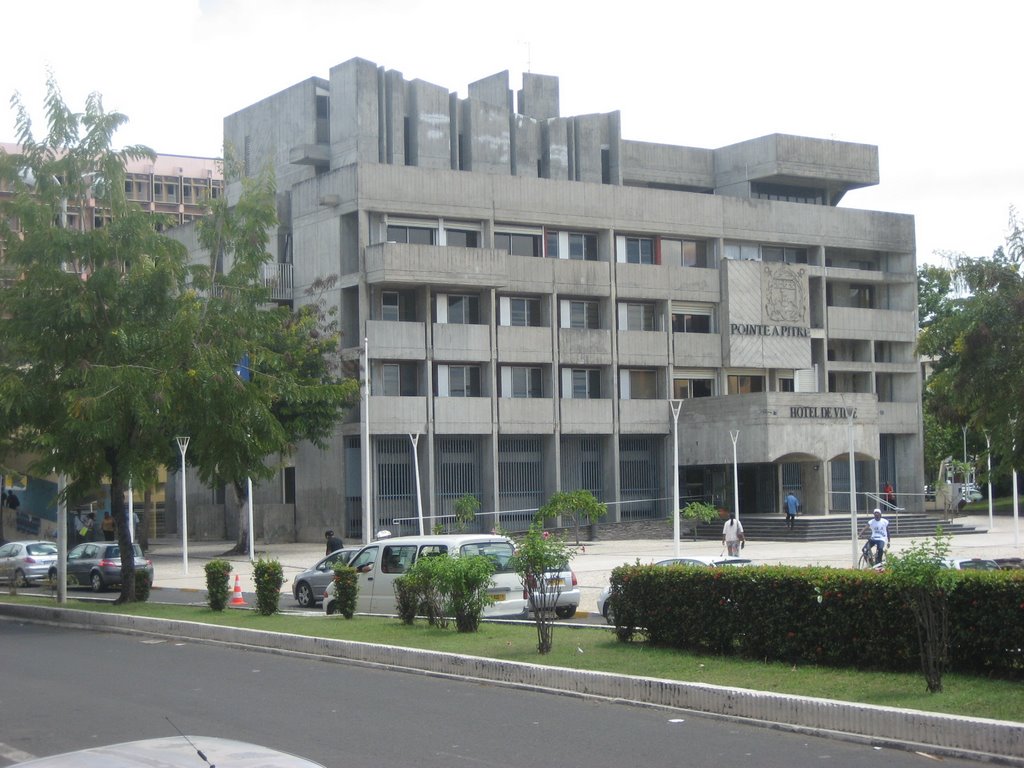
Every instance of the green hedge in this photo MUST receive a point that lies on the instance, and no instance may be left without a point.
(828, 616)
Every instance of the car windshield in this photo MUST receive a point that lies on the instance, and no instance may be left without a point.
(41, 549)
(499, 552)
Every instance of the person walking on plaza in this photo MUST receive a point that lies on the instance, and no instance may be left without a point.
(333, 542)
(732, 535)
(792, 504)
(878, 526)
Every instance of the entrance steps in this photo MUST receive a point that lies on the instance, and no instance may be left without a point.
(828, 527)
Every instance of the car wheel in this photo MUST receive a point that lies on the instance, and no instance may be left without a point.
(609, 614)
(332, 608)
(97, 583)
(565, 612)
(304, 595)
(52, 576)
(19, 578)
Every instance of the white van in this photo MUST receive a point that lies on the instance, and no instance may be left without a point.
(379, 563)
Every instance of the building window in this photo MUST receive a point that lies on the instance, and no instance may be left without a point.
(786, 384)
(521, 381)
(760, 190)
(398, 306)
(400, 233)
(742, 251)
(638, 316)
(639, 250)
(684, 253)
(462, 238)
(862, 296)
(399, 379)
(457, 309)
(583, 384)
(582, 314)
(785, 255)
(742, 384)
(523, 311)
(691, 321)
(518, 243)
(638, 385)
(463, 381)
(578, 246)
(684, 388)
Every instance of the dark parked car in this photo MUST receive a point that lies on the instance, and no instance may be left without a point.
(23, 562)
(97, 564)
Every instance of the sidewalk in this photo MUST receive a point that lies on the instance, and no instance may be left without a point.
(593, 564)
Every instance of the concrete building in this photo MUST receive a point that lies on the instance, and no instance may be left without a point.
(528, 292)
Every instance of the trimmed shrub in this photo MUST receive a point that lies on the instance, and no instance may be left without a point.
(143, 586)
(346, 589)
(268, 577)
(218, 573)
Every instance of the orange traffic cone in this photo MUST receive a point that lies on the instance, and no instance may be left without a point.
(237, 599)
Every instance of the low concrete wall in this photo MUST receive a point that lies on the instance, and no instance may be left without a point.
(974, 738)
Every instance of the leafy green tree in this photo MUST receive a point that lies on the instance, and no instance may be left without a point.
(926, 585)
(113, 342)
(575, 505)
(977, 346)
(466, 507)
(537, 557)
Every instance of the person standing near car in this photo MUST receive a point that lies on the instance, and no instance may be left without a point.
(333, 542)
(732, 535)
(107, 526)
(878, 527)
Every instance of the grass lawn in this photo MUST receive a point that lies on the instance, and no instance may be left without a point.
(597, 649)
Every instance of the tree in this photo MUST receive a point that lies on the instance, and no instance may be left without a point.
(575, 505)
(537, 556)
(289, 386)
(112, 342)
(466, 507)
(977, 346)
(919, 574)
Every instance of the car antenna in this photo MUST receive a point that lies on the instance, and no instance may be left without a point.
(191, 743)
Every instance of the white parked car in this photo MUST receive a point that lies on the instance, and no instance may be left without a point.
(309, 585)
(565, 590)
(379, 563)
(606, 610)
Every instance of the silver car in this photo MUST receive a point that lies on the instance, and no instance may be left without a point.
(97, 564)
(308, 587)
(23, 562)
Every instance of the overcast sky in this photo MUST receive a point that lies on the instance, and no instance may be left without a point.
(934, 85)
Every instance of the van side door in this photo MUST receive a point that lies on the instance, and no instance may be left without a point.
(395, 560)
(365, 563)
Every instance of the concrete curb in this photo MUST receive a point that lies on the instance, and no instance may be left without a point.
(971, 738)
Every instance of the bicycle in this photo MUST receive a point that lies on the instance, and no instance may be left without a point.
(867, 558)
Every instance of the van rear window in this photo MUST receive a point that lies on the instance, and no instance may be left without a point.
(499, 552)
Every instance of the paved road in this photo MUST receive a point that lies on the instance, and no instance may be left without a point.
(79, 689)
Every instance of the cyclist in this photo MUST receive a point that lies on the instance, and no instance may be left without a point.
(878, 527)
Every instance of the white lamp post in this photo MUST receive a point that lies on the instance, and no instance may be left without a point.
(734, 435)
(182, 447)
(252, 543)
(853, 484)
(367, 496)
(675, 405)
(414, 439)
(988, 453)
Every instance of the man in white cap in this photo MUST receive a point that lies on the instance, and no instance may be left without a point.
(879, 538)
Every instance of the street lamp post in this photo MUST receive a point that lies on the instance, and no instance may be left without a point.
(367, 496)
(735, 435)
(414, 439)
(675, 405)
(182, 447)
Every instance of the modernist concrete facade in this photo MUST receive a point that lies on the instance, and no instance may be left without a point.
(528, 292)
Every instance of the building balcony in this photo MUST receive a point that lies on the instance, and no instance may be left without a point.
(643, 281)
(879, 324)
(696, 284)
(581, 278)
(697, 350)
(899, 418)
(397, 415)
(526, 415)
(524, 345)
(643, 348)
(584, 346)
(645, 417)
(459, 342)
(586, 417)
(393, 340)
(441, 265)
(462, 415)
